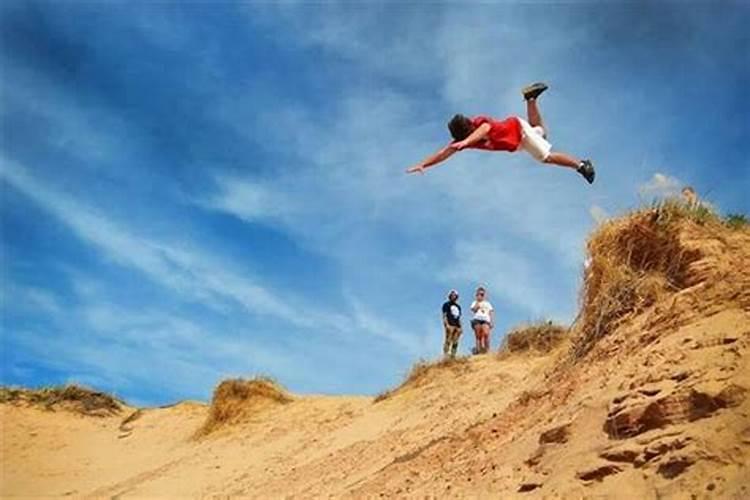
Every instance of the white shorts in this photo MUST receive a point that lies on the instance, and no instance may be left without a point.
(533, 141)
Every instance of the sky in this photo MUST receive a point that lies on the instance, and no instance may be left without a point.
(195, 191)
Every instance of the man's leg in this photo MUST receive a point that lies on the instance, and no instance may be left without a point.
(534, 116)
(562, 160)
(446, 342)
(454, 340)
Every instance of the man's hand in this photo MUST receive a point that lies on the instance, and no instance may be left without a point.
(415, 169)
(458, 145)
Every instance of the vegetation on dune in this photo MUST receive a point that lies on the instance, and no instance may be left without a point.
(736, 221)
(71, 397)
(540, 337)
(635, 260)
(420, 372)
(236, 400)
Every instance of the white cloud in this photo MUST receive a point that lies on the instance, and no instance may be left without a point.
(187, 272)
(598, 214)
(661, 186)
(250, 201)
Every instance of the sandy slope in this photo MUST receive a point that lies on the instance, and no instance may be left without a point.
(659, 408)
(320, 444)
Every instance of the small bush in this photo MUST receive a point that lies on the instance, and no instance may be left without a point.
(235, 400)
(540, 337)
(71, 397)
(419, 373)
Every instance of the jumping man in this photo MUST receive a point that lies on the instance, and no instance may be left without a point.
(511, 134)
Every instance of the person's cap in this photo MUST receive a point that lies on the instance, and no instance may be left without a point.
(452, 292)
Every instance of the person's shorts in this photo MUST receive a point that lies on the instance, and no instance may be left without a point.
(475, 322)
(533, 141)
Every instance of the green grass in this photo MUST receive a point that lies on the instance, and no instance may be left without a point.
(736, 221)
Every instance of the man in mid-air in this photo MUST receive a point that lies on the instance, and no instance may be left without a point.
(512, 134)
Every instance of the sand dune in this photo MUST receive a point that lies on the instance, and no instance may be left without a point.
(654, 405)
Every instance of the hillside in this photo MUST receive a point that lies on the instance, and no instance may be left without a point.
(646, 396)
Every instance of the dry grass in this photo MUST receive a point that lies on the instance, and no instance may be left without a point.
(633, 262)
(421, 372)
(541, 337)
(72, 397)
(236, 400)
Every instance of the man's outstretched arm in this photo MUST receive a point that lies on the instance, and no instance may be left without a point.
(442, 155)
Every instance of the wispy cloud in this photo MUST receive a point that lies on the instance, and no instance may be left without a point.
(180, 269)
(188, 271)
(661, 186)
(30, 298)
(598, 214)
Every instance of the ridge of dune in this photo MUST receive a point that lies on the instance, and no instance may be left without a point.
(646, 396)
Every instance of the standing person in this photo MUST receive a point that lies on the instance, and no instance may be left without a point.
(451, 324)
(690, 196)
(511, 134)
(483, 322)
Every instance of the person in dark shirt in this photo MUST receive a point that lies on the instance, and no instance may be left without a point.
(451, 324)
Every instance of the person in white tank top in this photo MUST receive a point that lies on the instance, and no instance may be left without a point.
(483, 321)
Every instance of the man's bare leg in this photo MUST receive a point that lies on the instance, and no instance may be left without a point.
(563, 160)
(535, 117)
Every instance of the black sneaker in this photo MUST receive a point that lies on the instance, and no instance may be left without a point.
(586, 169)
(532, 91)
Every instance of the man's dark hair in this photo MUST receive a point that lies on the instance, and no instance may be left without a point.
(460, 127)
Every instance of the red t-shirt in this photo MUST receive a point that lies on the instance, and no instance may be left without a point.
(503, 136)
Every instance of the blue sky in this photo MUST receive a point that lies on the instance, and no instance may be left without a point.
(193, 191)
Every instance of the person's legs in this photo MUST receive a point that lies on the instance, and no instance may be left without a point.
(534, 116)
(477, 335)
(486, 338)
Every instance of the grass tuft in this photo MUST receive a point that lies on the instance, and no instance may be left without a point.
(236, 400)
(421, 371)
(540, 337)
(736, 221)
(75, 398)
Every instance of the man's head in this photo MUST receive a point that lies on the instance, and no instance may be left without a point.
(688, 193)
(481, 293)
(460, 127)
(453, 295)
